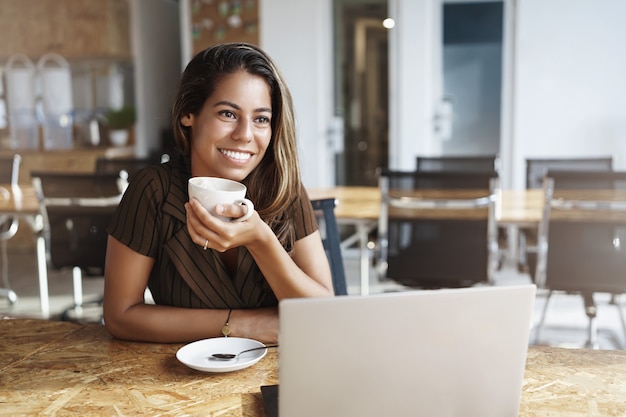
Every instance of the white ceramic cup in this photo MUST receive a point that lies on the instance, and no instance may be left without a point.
(211, 191)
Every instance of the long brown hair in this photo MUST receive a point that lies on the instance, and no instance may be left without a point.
(275, 184)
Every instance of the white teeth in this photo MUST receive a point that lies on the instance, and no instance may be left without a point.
(240, 156)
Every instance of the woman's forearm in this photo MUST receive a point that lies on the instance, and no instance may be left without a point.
(310, 277)
(166, 324)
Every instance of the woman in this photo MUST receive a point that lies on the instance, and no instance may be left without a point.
(233, 118)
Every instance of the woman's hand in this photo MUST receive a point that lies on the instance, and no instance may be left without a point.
(221, 235)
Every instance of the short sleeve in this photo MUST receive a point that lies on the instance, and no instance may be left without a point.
(305, 222)
(136, 220)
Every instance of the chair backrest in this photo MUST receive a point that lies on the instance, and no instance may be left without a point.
(478, 163)
(536, 168)
(582, 238)
(325, 212)
(77, 209)
(438, 180)
(10, 169)
(437, 229)
(130, 165)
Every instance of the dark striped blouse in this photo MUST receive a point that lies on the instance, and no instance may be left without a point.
(151, 220)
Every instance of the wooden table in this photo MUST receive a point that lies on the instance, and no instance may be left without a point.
(360, 207)
(67, 369)
(513, 207)
(18, 201)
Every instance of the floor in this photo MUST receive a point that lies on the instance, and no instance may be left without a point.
(565, 325)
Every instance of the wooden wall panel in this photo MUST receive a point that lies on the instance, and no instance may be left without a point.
(76, 29)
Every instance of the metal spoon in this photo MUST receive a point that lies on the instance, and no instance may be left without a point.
(231, 356)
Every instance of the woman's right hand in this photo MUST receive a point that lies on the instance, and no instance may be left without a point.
(221, 236)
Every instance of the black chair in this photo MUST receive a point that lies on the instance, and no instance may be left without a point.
(469, 163)
(536, 169)
(9, 175)
(430, 241)
(76, 210)
(325, 212)
(582, 240)
(474, 163)
(128, 166)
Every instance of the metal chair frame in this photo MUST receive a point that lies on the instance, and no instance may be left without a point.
(9, 173)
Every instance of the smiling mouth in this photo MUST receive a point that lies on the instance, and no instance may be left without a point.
(239, 156)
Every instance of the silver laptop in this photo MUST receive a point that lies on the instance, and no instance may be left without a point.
(440, 353)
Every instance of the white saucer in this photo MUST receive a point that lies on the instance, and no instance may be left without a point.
(196, 355)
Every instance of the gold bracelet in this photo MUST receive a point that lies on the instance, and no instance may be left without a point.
(226, 327)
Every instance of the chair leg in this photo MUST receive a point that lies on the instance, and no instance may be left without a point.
(592, 330)
(522, 262)
(6, 291)
(42, 268)
(543, 318)
(76, 311)
(8, 294)
(620, 313)
(77, 280)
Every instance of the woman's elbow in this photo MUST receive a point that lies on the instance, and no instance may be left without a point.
(116, 325)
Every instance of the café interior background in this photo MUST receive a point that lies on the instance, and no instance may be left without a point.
(546, 78)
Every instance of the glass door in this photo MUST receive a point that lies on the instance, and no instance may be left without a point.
(469, 114)
(362, 89)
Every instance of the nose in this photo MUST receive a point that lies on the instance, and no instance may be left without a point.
(243, 131)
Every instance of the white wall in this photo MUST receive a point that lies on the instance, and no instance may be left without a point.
(414, 82)
(570, 81)
(298, 36)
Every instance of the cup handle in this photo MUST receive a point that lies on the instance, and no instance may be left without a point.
(249, 212)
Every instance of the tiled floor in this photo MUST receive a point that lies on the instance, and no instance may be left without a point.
(566, 323)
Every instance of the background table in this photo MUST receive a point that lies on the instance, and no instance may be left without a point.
(49, 367)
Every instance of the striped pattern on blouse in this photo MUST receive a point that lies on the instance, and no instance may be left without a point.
(151, 220)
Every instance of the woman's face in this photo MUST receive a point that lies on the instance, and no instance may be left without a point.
(231, 133)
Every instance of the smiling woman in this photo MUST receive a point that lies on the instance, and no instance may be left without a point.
(233, 118)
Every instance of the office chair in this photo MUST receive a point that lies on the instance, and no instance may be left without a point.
(9, 175)
(76, 210)
(437, 229)
(580, 240)
(469, 163)
(325, 212)
(536, 169)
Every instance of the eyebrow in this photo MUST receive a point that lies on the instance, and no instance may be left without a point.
(236, 106)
